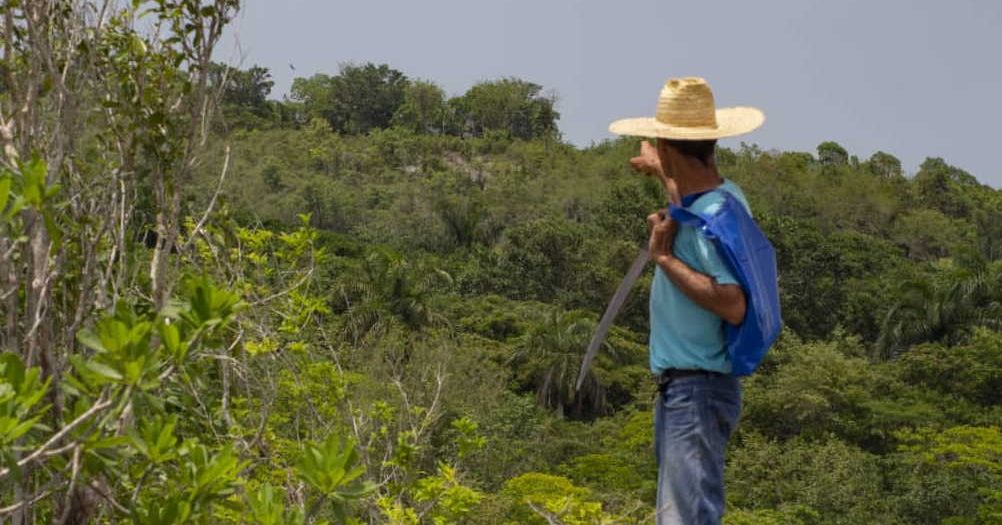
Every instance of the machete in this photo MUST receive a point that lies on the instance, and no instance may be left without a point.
(610, 312)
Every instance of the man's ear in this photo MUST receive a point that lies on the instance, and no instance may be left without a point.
(664, 148)
(665, 154)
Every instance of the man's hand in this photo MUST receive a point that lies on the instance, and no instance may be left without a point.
(663, 230)
(649, 163)
(725, 300)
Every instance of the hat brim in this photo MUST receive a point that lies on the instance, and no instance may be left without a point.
(730, 122)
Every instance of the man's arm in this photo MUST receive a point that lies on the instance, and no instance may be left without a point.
(649, 163)
(725, 300)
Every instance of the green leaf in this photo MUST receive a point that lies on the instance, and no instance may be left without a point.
(20, 429)
(18, 205)
(133, 371)
(90, 340)
(52, 229)
(33, 391)
(51, 191)
(4, 193)
(13, 369)
(137, 46)
(34, 173)
(170, 335)
(112, 442)
(104, 370)
(31, 194)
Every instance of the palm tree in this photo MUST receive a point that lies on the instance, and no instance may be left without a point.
(549, 358)
(390, 291)
(944, 307)
(462, 218)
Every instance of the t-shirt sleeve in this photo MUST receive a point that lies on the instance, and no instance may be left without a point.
(712, 262)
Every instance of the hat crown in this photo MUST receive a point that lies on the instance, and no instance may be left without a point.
(687, 102)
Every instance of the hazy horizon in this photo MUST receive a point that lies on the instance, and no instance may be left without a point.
(914, 79)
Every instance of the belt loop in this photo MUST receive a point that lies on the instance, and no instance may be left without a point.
(663, 381)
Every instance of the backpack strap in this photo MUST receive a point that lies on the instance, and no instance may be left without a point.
(698, 220)
(684, 216)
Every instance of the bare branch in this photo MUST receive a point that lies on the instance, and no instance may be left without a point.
(97, 407)
(212, 202)
(287, 291)
(550, 518)
(25, 503)
(67, 506)
(109, 498)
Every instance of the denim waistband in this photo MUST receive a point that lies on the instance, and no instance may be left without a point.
(672, 375)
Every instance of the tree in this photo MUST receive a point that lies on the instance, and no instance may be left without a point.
(972, 370)
(828, 481)
(357, 100)
(553, 349)
(463, 219)
(510, 106)
(243, 88)
(812, 390)
(818, 270)
(988, 221)
(315, 97)
(539, 499)
(884, 165)
(74, 171)
(832, 154)
(549, 358)
(548, 256)
(366, 97)
(389, 291)
(928, 234)
(243, 98)
(99, 364)
(423, 109)
(944, 187)
(956, 475)
(944, 307)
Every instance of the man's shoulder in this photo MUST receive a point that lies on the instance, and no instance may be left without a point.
(712, 201)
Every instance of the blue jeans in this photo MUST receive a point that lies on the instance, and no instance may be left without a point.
(693, 419)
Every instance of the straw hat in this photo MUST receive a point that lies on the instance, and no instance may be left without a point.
(686, 112)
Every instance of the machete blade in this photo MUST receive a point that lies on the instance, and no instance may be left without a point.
(612, 310)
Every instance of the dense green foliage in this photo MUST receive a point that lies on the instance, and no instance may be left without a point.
(363, 98)
(891, 288)
(377, 313)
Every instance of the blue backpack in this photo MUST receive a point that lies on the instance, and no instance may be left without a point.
(753, 261)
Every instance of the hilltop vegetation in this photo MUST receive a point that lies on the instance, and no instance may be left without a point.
(377, 313)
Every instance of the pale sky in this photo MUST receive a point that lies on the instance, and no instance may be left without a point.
(913, 78)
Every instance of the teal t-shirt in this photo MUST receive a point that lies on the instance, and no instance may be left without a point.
(683, 334)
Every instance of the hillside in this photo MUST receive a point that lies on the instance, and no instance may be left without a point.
(368, 303)
(490, 259)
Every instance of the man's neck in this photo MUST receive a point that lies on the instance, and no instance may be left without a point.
(693, 179)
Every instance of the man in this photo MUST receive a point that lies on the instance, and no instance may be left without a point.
(693, 294)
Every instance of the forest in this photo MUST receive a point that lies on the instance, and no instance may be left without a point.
(368, 301)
